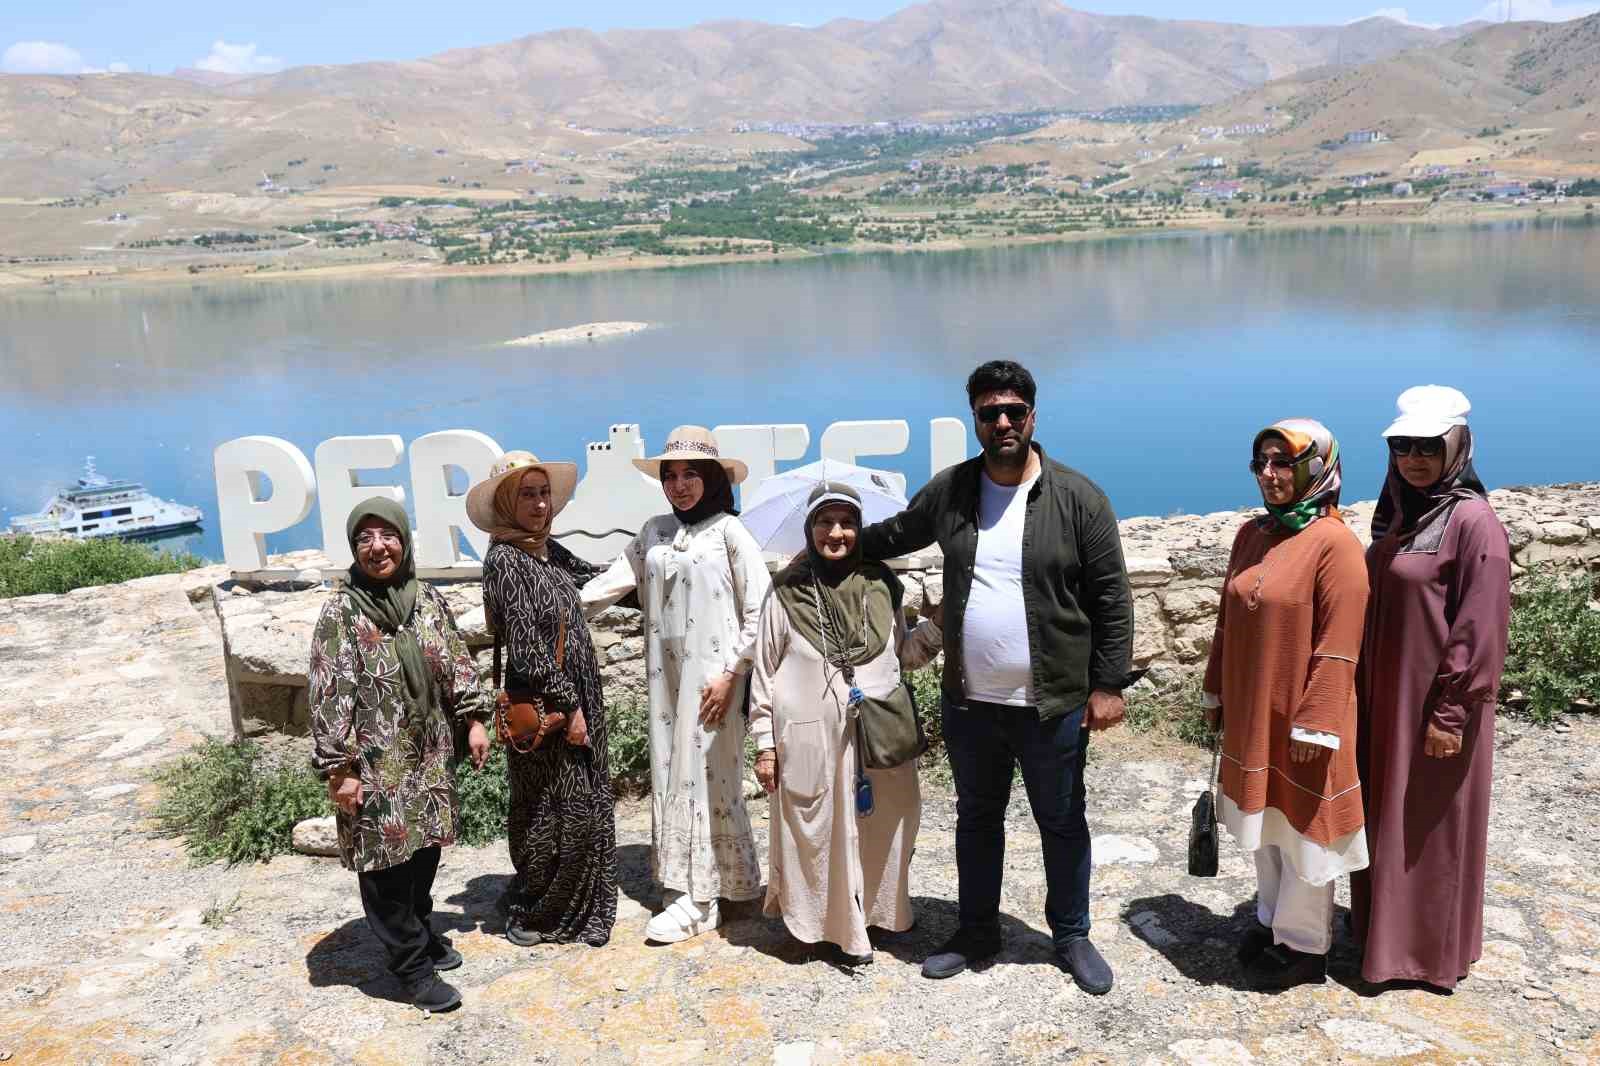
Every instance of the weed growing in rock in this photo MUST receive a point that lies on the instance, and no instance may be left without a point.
(1553, 654)
(629, 721)
(219, 911)
(1173, 709)
(485, 799)
(229, 803)
(29, 565)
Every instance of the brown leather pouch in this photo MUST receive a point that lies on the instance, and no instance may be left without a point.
(521, 720)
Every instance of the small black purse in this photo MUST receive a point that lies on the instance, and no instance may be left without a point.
(1203, 822)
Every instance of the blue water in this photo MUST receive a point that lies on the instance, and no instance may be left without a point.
(1157, 359)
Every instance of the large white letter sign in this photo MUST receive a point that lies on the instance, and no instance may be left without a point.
(947, 444)
(442, 515)
(338, 459)
(244, 513)
(613, 495)
(845, 441)
(761, 447)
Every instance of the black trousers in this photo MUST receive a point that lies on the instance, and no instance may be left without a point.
(985, 743)
(398, 902)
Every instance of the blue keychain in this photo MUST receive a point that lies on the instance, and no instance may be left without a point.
(856, 696)
(863, 796)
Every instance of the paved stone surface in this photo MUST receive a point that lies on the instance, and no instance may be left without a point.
(113, 949)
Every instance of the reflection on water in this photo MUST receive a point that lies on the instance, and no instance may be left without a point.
(1157, 358)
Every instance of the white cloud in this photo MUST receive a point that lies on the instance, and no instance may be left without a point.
(228, 58)
(1400, 14)
(42, 57)
(1535, 10)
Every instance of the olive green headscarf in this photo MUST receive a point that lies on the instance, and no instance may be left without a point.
(390, 604)
(857, 599)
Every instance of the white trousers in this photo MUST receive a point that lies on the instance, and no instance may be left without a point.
(1299, 914)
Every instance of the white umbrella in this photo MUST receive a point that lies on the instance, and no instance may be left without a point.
(775, 515)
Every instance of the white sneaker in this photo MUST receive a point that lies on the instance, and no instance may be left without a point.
(681, 919)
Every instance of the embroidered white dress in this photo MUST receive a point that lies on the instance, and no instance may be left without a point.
(700, 590)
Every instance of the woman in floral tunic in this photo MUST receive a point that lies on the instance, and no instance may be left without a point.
(701, 581)
(562, 831)
(388, 669)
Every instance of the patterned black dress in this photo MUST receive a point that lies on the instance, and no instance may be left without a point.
(562, 828)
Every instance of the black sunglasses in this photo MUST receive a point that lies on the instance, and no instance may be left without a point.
(1014, 412)
(1276, 462)
(1427, 447)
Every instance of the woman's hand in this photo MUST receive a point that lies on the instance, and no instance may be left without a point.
(1440, 744)
(714, 699)
(767, 769)
(344, 789)
(478, 745)
(1304, 750)
(577, 729)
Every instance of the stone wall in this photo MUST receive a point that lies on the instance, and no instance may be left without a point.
(1175, 564)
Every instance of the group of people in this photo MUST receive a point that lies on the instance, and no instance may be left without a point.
(1355, 700)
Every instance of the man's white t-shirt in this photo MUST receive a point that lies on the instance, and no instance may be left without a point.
(994, 630)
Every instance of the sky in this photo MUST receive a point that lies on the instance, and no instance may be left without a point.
(76, 36)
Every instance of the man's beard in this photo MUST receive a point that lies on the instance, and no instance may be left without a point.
(1008, 460)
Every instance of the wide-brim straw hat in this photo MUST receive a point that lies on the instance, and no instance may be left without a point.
(480, 498)
(692, 444)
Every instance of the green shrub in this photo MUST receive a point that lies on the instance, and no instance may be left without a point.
(228, 802)
(485, 799)
(926, 687)
(629, 721)
(1174, 709)
(30, 565)
(1553, 651)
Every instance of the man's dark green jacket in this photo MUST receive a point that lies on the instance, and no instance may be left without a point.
(1074, 584)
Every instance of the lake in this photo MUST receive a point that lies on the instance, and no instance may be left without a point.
(1157, 358)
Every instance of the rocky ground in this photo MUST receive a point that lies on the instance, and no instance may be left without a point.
(114, 949)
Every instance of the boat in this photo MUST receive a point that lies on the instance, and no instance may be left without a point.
(99, 506)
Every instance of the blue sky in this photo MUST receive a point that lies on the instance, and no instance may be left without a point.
(67, 36)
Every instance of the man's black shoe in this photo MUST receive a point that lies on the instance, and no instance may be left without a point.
(1280, 967)
(448, 959)
(1257, 940)
(1087, 966)
(433, 995)
(967, 947)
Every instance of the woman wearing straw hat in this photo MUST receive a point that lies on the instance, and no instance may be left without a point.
(562, 830)
(701, 581)
(388, 670)
(832, 634)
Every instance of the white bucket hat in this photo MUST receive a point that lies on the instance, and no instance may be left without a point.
(480, 498)
(1429, 411)
(692, 444)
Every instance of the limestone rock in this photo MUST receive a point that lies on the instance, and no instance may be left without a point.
(1111, 849)
(1562, 533)
(1214, 1052)
(1192, 604)
(317, 836)
(1372, 1039)
(16, 847)
(1149, 571)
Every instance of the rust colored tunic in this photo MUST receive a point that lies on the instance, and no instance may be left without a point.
(1287, 640)
(1435, 646)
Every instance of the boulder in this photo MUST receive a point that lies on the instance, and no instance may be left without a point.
(317, 836)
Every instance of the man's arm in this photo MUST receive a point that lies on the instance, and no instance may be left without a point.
(911, 530)
(1108, 599)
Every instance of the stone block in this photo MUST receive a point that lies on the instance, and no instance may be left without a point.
(264, 709)
(1149, 629)
(1192, 643)
(316, 836)
(1562, 533)
(1201, 562)
(1521, 533)
(1193, 604)
(1149, 571)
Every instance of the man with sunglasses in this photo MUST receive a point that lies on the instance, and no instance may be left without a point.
(1038, 622)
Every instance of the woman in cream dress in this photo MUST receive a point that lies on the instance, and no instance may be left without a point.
(834, 622)
(701, 581)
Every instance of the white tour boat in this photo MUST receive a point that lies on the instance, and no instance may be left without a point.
(102, 507)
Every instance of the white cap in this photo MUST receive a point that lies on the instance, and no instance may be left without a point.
(1429, 411)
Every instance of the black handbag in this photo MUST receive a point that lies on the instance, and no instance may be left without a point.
(1203, 822)
(891, 729)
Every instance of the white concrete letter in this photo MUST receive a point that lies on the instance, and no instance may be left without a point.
(947, 444)
(612, 501)
(441, 514)
(845, 441)
(338, 459)
(761, 448)
(244, 515)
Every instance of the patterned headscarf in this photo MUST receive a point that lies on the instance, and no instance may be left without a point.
(1317, 472)
(1417, 509)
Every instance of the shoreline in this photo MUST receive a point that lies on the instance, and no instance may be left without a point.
(88, 275)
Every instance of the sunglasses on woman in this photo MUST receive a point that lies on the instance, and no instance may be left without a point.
(1276, 463)
(1014, 412)
(1427, 447)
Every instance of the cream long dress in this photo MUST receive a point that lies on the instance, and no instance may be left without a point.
(832, 874)
(700, 589)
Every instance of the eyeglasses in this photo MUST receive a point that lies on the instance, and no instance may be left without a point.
(1427, 447)
(990, 413)
(1276, 463)
(368, 538)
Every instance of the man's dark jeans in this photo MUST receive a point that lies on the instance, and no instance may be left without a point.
(984, 742)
